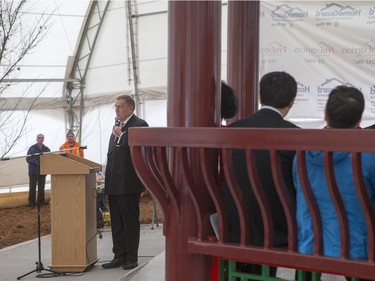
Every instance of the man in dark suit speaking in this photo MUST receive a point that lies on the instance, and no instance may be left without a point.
(277, 93)
(123, 187)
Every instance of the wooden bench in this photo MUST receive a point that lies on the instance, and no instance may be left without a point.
(167, 158)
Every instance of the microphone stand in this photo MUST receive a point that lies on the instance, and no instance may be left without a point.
(39, 265)
(37, 154)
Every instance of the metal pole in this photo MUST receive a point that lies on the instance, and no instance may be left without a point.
(134, 59)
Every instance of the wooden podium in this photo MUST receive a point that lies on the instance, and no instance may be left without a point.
(73, 210)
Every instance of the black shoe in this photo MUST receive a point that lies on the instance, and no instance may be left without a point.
(114, 263)
(129, 265)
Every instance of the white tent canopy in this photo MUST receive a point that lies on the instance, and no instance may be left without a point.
(48, 69)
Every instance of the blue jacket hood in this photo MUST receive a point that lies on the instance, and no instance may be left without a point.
(316, 157)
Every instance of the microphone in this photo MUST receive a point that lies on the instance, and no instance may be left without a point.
(117, 121)
(83, 147)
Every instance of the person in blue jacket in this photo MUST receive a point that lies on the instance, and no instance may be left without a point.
(343, 110)
(34, 170)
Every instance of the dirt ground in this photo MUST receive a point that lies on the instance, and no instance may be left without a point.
(20, 224)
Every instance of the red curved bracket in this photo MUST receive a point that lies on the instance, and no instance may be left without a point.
(365, 203)
(311, 202)
(285, 198)
(261, 198)
(337, 203)
(238, 198)
(216, 194)
(147, 175)
(169, 184)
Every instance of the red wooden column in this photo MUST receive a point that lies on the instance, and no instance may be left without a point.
(193, 81)
(243, 54)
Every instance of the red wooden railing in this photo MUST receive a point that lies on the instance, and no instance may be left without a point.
(168, 158)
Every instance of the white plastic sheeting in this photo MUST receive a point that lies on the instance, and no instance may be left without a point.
(107, 77)
(47, 61)
(108, 74)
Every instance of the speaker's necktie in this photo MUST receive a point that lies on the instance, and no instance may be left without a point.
(117, 137)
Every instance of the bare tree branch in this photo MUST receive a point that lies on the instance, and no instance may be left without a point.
(17, 40)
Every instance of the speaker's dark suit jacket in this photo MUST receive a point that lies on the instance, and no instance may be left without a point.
(120, 177)
(124, 189)
(264, 118)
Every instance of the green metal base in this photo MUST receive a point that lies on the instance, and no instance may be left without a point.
(228, 272)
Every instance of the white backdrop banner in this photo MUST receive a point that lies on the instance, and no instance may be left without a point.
(322, 44)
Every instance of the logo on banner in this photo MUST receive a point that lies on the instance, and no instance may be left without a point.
(303, 92)
(372, 91)
(336, 11)
(273, 50)
(371, 15)
(325, 88)
(302, 89)
(288, 13)
(317, 53)
(367, 49)
(372, 98)
(363, 55)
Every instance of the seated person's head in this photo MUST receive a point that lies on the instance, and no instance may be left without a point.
(229, 106)
(277, 89)
(344, 107)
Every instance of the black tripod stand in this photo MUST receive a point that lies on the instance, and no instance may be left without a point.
(39, 265)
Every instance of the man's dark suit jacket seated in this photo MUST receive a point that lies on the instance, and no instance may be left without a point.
(264, 118)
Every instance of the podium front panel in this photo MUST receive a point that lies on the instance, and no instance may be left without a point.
(73, 222)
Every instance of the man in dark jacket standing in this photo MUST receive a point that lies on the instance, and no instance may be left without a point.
(34, 170)
(123, 187)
